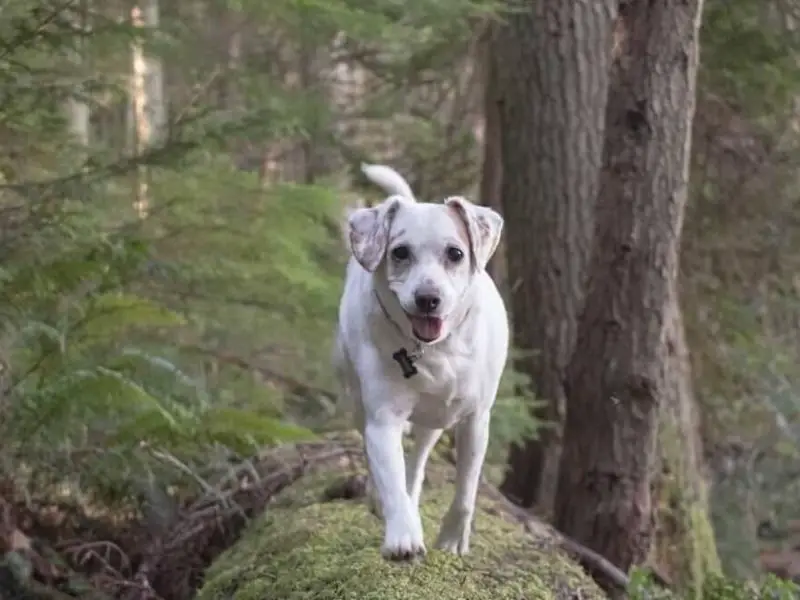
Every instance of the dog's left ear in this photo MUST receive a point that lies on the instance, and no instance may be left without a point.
(484, 227)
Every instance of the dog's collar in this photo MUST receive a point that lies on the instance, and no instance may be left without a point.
(403, 356)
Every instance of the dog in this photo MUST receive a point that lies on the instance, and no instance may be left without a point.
(422, 338)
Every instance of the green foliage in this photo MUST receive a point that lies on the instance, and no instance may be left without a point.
(642, 587)
(141, 353)
(512, 416)
(79, 381)
(752, 57)
(739, 260)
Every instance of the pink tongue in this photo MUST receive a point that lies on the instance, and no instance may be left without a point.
(427, 328)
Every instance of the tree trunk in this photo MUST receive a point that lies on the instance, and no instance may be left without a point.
(551, 74)
(311, 81)
(147, 97)
(77, 110)
(617, 381)
(492, 167)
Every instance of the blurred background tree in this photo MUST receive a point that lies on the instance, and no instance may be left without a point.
(739, 287)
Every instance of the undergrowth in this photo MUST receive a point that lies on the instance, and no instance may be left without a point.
(143, 355)
(642, 587)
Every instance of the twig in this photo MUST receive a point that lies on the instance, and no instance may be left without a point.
(82, 552)
(587, 557)
(173, 561)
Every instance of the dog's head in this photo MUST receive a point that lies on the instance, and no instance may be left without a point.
(427, 253)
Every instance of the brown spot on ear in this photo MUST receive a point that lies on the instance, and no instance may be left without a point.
(484, 228)
(461, 226)
(369, 229)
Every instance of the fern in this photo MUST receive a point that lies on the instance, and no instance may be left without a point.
(205, 329)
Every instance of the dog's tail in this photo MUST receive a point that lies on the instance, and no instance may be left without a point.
(388, 179)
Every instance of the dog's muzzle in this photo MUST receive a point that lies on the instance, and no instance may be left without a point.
(426, 324)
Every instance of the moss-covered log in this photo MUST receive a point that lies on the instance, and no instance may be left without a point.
(316, 541)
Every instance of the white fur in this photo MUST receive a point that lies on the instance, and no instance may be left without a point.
(388, 179)
(458, 374)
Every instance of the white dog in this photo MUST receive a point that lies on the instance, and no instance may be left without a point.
(422, 338)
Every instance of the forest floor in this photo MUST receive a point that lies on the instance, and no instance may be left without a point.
(61, 551)
(67, 550)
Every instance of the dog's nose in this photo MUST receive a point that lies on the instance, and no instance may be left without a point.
(427, 303)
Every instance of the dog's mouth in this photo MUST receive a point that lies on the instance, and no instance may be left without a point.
(426, 328)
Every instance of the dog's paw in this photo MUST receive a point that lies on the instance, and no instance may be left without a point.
(403, 539)
(455, 532)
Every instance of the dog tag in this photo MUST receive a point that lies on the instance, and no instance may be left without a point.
(406, 363)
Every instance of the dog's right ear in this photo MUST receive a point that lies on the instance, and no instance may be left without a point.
(369, 231)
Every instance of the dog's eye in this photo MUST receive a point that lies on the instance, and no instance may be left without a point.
(401, 253)
(455, 254)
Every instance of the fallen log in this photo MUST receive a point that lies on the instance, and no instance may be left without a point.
(317, 540)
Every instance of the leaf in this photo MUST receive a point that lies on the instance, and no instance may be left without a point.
(154, 426)
(47, 337)
(113, 313)
(242, 430)
(137, 361)
(85, 396)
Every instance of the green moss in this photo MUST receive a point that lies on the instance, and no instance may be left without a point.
(706, 559)
(303, 548)
(685, 547)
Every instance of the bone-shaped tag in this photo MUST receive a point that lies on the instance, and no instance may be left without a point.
(406, 362)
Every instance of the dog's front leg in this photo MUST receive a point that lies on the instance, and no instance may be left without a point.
(472, 439)
(403, 529)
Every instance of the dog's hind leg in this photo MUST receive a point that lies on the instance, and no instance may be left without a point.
(350, 401)
(424, 441)
(472, 439)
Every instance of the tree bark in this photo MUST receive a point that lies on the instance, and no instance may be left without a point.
(551, 71)
(492, 165)
(617, 381)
